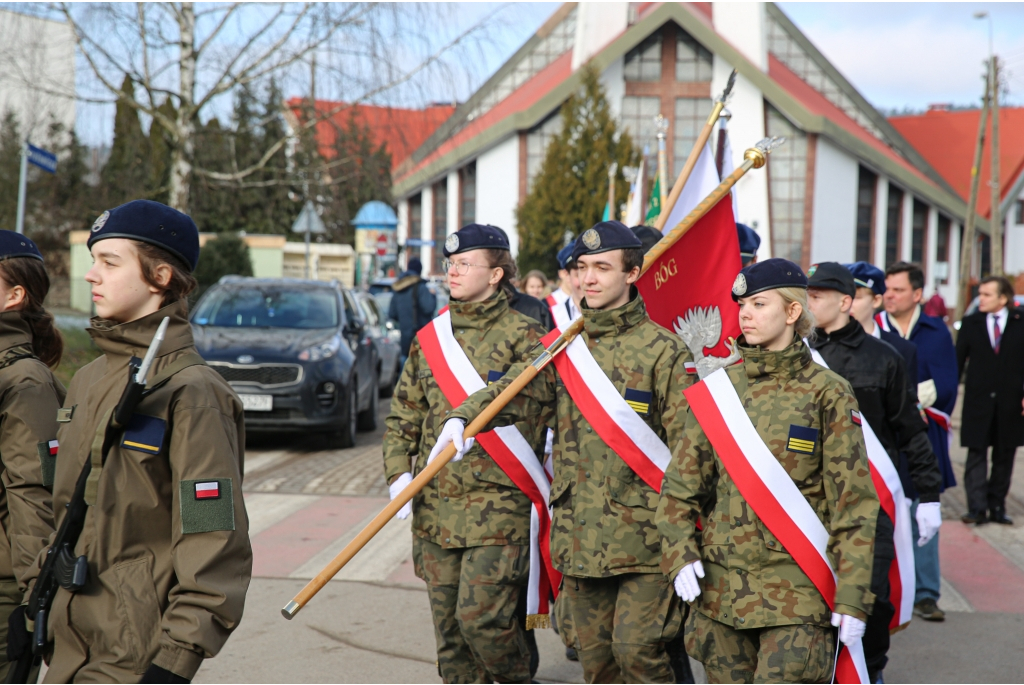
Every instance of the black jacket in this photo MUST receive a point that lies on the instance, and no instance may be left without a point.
(530, 306)
(907, 350)
(879, 379)
(994, 384)
(412, 306)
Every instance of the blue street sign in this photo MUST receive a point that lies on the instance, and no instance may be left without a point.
(44, 159)
(418, 242)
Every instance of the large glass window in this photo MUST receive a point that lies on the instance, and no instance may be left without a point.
(866, 184)
(942, 244)
(787, 174)
(691, 113)
(416, 216)
(643, 63)
(917, 232)
(440, 222)
(467, 190)
(693, 60)
(893, 224)
(638, 114)
(537, 145)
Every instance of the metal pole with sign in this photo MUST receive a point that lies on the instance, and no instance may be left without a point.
(308, 222)
(45, 160)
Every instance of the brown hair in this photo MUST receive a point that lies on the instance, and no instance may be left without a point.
(1005, 287)
(503, 259)
(538, 274)
(914, 273)
(30, 274)
(182, 281)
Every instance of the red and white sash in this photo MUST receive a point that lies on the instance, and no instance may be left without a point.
(559, 312)
(607, 412)
(458, 379)
(892, 500)
(770, 491)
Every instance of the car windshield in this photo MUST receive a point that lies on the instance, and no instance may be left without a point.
(268, 307)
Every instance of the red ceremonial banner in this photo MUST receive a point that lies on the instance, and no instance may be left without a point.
(698, 272)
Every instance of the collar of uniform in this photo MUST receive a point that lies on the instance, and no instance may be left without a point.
(851, 335)
(760, 362)
(133, 338)
(600, 323)
(14, 330)
(479, 314)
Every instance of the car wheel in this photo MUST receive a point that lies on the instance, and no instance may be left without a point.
(368, 417)
(346, 437)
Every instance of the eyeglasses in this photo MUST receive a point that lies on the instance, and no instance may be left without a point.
(462, 268)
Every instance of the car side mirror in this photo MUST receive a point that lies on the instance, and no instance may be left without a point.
(353, 327)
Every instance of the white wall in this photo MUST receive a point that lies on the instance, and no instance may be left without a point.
(37, 72)
(597, 24)
(745, 26)
(614, 83)
(834, 215)
(950, 291)
(906, 227)
(453, 203)
(881, 216)
(427, 226)
(1013, 247)
(403, 227)
(497, 188)
(931, 235)
(746, 128)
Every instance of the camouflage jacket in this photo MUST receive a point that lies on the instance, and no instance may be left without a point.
(471, 502)
(603, 522)
(751, 581)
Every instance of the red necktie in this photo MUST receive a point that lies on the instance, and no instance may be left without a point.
(997, 335)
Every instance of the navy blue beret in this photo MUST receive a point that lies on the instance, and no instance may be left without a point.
(475, 237)
(768, 275)
(648, 235)
(831, 276)
(867, 275)
(153, 223)
(17, 245)
(604, 237)
(564, 256)
(749, 241)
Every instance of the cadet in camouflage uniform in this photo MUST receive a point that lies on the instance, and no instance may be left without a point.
(29, 399)
(471, 524)
(604, 539)
(758, 617)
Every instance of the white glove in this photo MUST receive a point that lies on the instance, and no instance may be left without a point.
(400, 484)
(929, 518)
(686, 584)
(452, 432)
(926, 393)
(850, 629)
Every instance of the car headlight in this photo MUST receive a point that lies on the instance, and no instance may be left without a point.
(320, 351)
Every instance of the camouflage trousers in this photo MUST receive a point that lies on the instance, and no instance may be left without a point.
(620, 625)
(473, 594)
(783, 654)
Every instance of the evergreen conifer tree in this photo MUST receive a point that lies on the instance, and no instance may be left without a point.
(126, 175)
(570, 191)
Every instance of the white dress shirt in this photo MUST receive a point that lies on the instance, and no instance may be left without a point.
(990, 319)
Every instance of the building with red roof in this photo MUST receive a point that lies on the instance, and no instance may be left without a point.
(401, 130)
(947, 139)
(846, 186)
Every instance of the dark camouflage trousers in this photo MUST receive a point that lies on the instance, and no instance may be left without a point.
(620, 625)
(473, 594)
(781, 654)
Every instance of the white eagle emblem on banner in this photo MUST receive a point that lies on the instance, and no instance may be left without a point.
(702, 328)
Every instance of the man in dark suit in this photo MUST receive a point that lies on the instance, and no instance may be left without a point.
(992, 341)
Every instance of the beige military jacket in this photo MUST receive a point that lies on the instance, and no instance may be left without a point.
(29, 399)
(167, 540)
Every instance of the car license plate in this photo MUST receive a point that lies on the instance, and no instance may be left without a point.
(257, 402)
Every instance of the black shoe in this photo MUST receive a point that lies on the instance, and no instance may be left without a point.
(999, 516)
(929, 610)
(977, 517)
(570, 654)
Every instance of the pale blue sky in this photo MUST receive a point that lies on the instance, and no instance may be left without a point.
(897, 54)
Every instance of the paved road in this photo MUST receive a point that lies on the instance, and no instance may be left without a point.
(371, 624)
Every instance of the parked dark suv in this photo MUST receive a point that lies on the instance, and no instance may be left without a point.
(295, 351)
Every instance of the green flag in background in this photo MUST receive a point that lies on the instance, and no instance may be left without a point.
(654, 204)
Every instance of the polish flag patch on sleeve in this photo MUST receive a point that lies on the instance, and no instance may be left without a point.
(208, 490)
(855, 416)
(54, 446)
